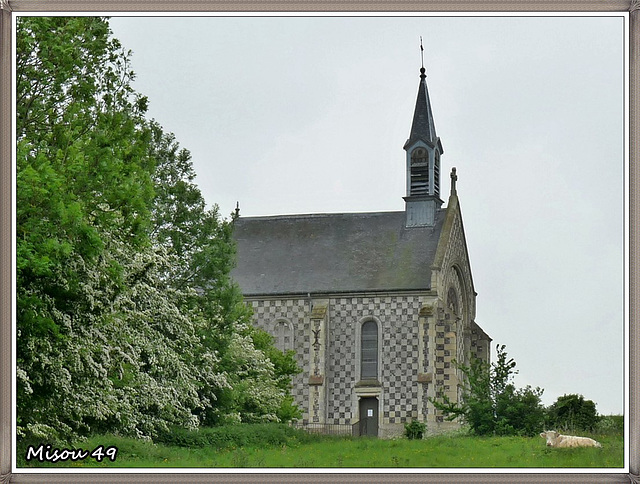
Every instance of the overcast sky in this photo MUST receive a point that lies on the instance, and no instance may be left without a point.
(309, 115)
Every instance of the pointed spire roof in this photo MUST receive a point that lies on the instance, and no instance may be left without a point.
(423, 127)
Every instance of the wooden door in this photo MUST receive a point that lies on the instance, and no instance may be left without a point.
(369, 416)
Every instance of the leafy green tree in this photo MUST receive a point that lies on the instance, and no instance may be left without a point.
(127, 320)
(103, 341)
(83, 182)
(490, 403)
(82, 164)
(258, 386)
(181, 221)
(519, 411)
(572, 412)
(198, 236)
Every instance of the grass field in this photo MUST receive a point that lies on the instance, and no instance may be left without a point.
(457, 451)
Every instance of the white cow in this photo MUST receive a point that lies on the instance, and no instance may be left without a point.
(554, 439)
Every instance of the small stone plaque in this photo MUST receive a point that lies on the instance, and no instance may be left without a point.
(319, 311)
(316, 380)
(424, 377)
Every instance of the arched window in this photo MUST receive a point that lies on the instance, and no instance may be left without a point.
(283, 336)
(419, 172)
(369, 350)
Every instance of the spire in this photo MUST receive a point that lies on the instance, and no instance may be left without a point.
(424, 150)
(423, 127)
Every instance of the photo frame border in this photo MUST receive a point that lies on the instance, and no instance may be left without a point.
(632, 304)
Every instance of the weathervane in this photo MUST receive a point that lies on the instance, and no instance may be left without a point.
(422, 74)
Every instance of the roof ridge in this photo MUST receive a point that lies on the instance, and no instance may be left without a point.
(318, 215)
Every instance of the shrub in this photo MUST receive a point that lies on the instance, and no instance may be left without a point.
(414, 430)
(490, 403)
(519, 411)
(610, 424)
(572, 412)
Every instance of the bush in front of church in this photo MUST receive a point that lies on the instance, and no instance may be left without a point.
(490, 403)
(414, 430)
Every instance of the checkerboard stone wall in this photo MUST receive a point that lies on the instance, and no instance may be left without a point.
(341, 356)
(398, 319)
(400, 359)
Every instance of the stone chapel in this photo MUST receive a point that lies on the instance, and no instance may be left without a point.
(377, 305)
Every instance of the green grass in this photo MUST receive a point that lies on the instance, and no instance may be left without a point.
(456, 451)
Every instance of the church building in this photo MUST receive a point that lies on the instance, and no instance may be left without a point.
(376, 306)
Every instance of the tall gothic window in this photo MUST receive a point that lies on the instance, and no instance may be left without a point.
(419, 172)
(369, 350)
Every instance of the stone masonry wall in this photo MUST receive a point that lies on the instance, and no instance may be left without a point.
(401, 397)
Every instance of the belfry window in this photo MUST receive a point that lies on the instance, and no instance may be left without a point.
(419, 172)
(436, 174)
(369, 350)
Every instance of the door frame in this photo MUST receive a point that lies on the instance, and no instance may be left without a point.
(365, 422)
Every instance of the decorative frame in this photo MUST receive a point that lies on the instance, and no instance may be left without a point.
(8, 7)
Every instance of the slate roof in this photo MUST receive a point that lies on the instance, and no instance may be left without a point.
(333, 253)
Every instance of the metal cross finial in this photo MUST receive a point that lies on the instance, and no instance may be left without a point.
(454, 178)
(422, 74)
(237, 210)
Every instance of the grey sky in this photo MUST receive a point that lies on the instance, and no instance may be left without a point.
(309, 115)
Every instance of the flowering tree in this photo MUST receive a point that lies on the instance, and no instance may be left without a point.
(127, 320)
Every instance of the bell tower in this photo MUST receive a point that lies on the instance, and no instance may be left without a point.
(424, 151)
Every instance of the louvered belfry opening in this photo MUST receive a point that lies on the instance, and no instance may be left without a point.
(419, 172)
(436, 175)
